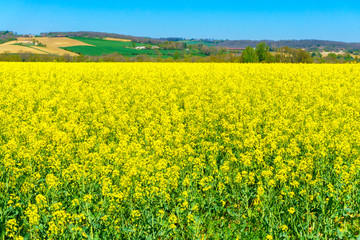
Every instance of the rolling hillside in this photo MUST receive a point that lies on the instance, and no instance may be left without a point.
(308, 44)
(98, 44)
(45, 45)
(103, 35)
(97, 47)
(75, 46)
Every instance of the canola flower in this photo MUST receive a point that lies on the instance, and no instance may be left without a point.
(179, 151)
(291, 210)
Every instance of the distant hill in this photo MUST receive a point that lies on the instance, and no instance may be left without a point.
(306, 44)
(102, 35)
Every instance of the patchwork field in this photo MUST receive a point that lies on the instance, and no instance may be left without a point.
(179, 151)
(53, 46)
(85, 46)
(101, 46)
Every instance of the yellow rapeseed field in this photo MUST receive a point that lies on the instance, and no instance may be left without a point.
(179, 151)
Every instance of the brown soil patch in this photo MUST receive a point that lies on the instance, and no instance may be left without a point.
(52, 46)
(118, 39)
(8, 47)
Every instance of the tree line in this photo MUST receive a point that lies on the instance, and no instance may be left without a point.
(260, 54)
(6, 36)
(309, 45)
(90, 34)
(283, 55)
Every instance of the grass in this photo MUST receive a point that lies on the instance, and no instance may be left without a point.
(101, 47)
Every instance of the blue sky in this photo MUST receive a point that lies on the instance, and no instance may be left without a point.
(255, 20)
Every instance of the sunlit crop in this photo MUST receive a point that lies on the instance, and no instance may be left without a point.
(179, 151)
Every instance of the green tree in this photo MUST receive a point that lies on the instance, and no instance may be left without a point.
(176, 55)
(292, 55)
(262, 51)
(302, 56)
(332, 56)
(249, 55)
(270, 58)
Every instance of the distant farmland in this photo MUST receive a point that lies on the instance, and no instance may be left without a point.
(101, 46)
(52, 45)
(75, 46)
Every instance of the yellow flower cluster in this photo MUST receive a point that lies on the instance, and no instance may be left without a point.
(179, 151)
